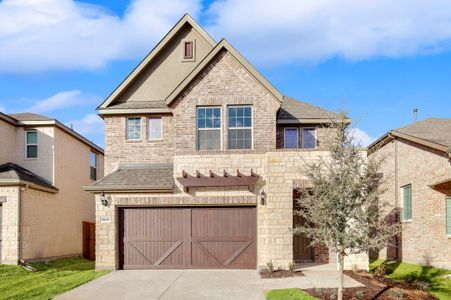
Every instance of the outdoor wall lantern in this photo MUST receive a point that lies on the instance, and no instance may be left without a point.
(262, 197)
(103, 199)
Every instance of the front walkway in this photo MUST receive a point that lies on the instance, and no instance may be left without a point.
(197, 284)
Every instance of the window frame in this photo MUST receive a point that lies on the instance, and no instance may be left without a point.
(27, 144)
(448, 217)
(297, 137)
(140, 132)
(208, 129)
(183, 58)
(161, 129)
(93, 154)
(315, 135)
(403, 190)
(185, 43)
(251, 128)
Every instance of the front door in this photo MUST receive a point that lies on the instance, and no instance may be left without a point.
(302, 251)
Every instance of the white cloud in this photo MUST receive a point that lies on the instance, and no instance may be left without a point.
(361, 138)
(63, 100)
(90, 125)
(286, 31)
(40, 35)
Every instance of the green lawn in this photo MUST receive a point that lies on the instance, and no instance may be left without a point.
(288, 294)
(440, 287)
(52, 279)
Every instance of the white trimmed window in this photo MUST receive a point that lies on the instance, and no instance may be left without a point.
(308, 138)
(31, 141)
(155, 128)
(240, 127)
(93, 165)
(209, 128)
(133, 129)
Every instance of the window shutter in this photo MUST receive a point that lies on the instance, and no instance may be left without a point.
(407, 194)
(448, 216)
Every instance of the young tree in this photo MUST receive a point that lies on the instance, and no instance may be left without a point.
(342, 209)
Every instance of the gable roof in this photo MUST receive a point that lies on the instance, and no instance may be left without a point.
(223, 44)
(31, 119)
(13, 174)
(186, 19)
(26, 116)
(432, 132)
(294, 111)
(139, 177)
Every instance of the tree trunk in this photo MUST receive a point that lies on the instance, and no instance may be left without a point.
(340, 275)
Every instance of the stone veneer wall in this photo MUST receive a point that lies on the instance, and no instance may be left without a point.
(424, 238)
(10, 225)
(279, 170)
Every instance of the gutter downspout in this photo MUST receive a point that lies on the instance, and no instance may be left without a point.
(19, 227)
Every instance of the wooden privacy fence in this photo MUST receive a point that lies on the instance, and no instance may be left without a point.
(89, 240)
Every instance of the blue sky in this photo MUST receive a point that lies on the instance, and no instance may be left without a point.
(378, 60)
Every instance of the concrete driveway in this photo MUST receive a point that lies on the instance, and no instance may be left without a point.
(199, 284)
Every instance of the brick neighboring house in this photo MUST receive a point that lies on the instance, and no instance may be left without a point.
(417, 170)
(43, 166)
(202, 157)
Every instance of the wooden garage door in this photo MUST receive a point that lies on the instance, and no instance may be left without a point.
(208, 237)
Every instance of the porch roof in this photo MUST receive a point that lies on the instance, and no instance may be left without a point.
(443, 186)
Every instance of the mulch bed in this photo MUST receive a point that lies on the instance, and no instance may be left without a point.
(374, 288)
(280, 274)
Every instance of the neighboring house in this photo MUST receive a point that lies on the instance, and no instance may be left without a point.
(43, 166)
(202, 156)
(417, 171)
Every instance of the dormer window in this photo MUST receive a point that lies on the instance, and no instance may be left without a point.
(188, 50)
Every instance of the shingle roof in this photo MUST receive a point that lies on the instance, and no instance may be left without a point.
(137, 178)
(26, 116)
(436, 130)
(13, 173)
(293, 110)
(139, 105)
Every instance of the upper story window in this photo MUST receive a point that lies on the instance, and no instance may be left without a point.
(93, 165)
(291, 138)
(309, 138)
(407, 202)
(209, 128)
(188, 50)
(240, 127)
(448, 216)
(155, 128)
(31, 140)
(134, 129)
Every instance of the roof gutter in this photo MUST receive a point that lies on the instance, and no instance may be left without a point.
(9, 182)
(309, 121)
(125, 111)
(128, 189)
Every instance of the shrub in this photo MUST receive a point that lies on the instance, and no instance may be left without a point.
(360, 294)
(398, 294)
(421, 285)
(292, 266)
(270, 266)
(380, 271)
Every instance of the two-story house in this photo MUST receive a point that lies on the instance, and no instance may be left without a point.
(43, 166)
(202, 157)
(417, 170)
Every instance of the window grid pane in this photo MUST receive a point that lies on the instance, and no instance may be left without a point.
(32, 151)
(448, 216)
(32, 137)
(155, 126)
(240, 127)
(134, 128)
(208, 128)
(407, 202)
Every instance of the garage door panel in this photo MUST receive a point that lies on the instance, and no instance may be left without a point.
(188, 237)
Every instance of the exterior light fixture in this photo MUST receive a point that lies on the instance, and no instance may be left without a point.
(103, 199)
(262, 197)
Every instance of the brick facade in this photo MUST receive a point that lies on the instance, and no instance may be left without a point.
(424, 238)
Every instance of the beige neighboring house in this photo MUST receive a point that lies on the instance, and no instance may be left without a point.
(417, 170)
(43, 166)
(202, 159)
